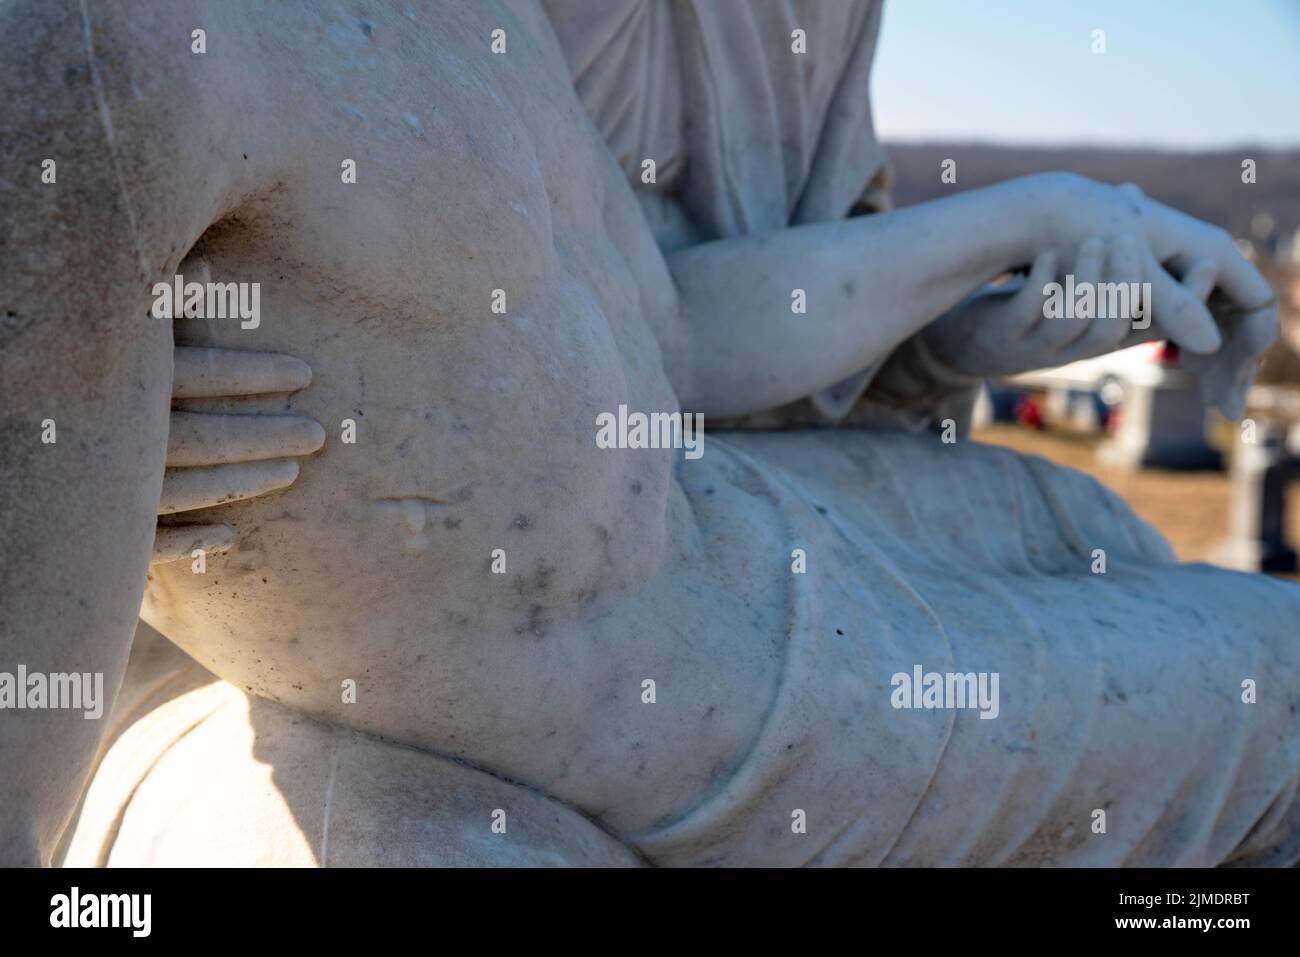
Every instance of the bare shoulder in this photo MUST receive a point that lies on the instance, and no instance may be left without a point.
(107, 159)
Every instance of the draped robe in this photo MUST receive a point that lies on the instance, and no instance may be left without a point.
(1123, 736)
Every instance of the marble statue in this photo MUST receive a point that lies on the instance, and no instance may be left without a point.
(440, 623)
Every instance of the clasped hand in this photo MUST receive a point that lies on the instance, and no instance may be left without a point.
(1203, 295)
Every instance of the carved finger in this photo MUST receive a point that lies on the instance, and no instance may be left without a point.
(1090, 261)
(1226, 376)
(1198, 275)
(173, 542)
(1124, 260)
(1089, 267)
(203, 438)
(1240, 281)
(200, 372)
(1057, 332)
(1123, 274)
(1180, 314)
(1029, 298)
(188, 489)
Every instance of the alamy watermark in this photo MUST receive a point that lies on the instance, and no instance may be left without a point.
(36, 690)
(654, 430)
(1130, 301)
(946, 690)
(208, 300)
(75, 909)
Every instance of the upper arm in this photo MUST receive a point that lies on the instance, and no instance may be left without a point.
(88, 87)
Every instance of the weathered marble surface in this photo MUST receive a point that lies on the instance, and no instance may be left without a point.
(199, 774)
(372, 561)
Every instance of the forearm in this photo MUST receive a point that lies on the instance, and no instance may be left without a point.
(869, 283)
(78, 532)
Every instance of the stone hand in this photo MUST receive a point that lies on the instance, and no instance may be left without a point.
(1226, 375)
(1206, 297)
(1007, 329)
(216, 458)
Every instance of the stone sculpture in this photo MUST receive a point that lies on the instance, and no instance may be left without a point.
(450, 627)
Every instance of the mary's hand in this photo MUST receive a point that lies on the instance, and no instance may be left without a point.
(1206, 297)
(1009, 329)
(218, 458)
(1226, 375)
(1203, 295)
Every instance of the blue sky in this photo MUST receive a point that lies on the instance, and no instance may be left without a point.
(1176, 73)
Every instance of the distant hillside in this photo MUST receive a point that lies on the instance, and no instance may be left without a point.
(1206, 185)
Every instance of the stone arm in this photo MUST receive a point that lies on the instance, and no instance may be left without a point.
(868, 283)
(741, 345)
(107, 176)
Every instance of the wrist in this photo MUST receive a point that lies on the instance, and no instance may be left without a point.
(938, 365)
(919, 370)
(1041, 210)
